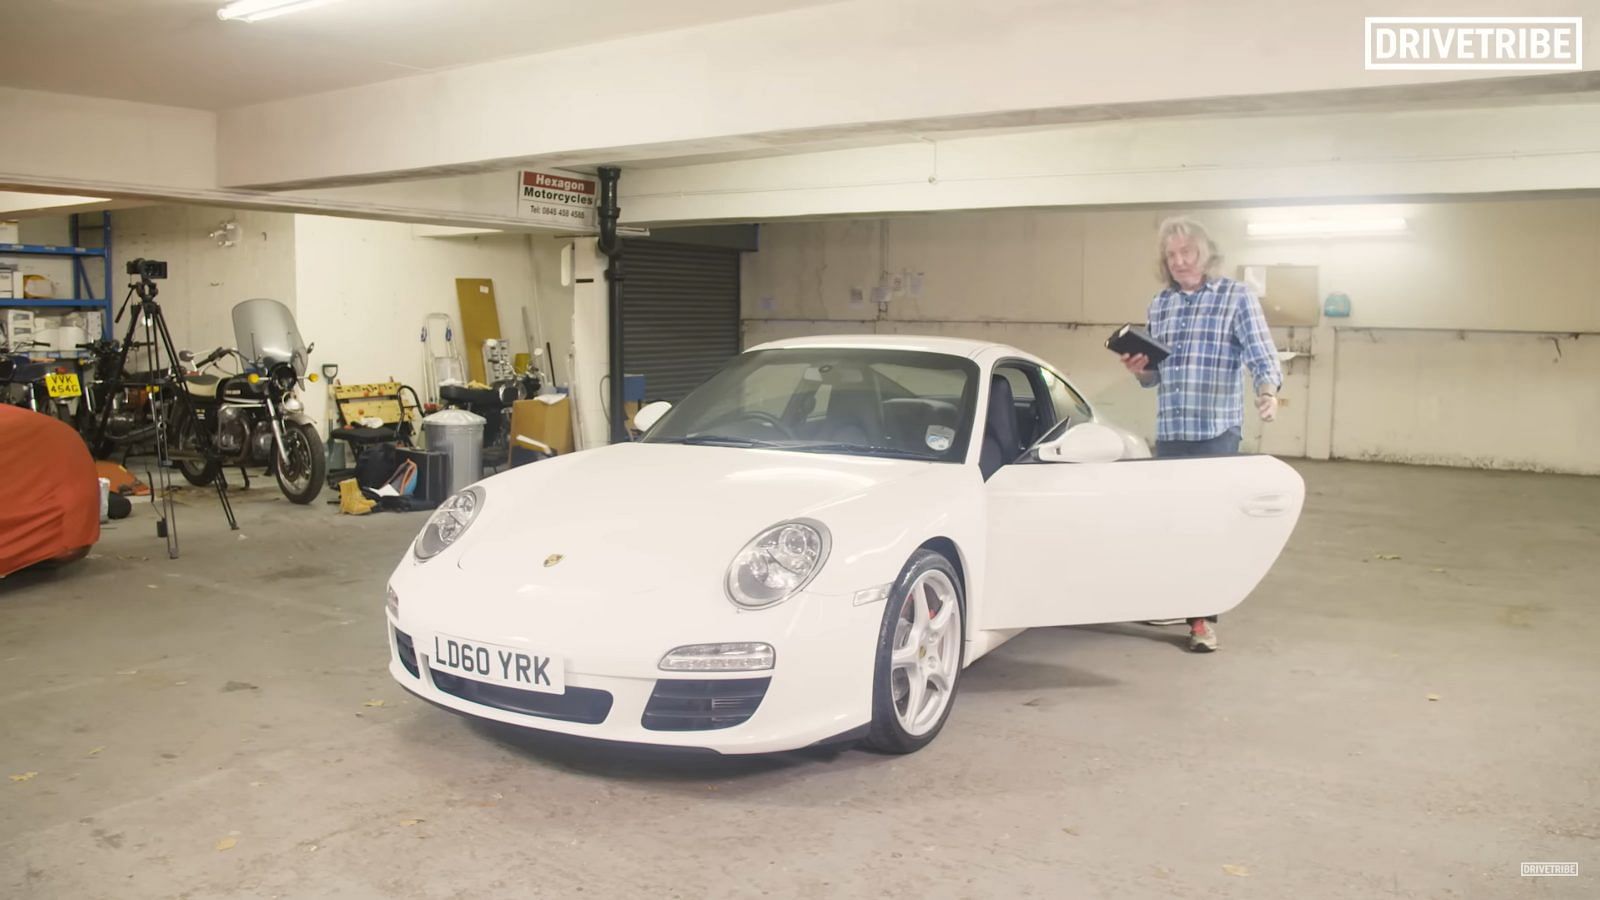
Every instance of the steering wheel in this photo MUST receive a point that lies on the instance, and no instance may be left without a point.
(765, 418)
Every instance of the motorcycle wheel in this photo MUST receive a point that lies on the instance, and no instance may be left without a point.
(302, 480)
(196, 472)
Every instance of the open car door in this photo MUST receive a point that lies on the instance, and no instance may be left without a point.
(1072, 543)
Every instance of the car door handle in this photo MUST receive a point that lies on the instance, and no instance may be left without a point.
(1267, 505)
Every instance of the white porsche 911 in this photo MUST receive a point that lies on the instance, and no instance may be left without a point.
(812, 546)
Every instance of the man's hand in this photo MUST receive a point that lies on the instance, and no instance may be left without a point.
(1135, 362)
(1267, 406)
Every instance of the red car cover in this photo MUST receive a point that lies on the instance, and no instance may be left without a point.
(49, 491)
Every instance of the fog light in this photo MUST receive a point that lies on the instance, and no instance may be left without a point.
(393, 603)
(739, 657)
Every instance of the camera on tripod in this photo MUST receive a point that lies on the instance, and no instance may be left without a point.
(147, 269)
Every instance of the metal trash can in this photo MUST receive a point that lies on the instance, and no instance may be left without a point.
(459, 435)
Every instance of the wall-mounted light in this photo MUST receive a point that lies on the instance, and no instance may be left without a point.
(1294, 228)
(256, 10)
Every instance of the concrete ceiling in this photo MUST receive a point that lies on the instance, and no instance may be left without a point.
(178, 53)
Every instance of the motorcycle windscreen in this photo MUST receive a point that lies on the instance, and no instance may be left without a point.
(264, 330)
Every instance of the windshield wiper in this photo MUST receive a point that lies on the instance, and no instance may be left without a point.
(713, 440)
(856, 449)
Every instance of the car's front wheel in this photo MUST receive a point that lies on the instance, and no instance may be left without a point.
(920, 651)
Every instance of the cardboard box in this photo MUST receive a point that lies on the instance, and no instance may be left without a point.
(548, 423)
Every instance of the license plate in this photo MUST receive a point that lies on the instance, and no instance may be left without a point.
(61, 386)
(494, 664)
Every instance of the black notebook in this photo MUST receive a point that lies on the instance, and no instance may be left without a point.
(1133, 339)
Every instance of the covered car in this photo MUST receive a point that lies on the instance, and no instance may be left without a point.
(49, 491)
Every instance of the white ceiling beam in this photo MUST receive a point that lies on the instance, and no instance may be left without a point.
(1349, 156)
(15, 204)
(1352, 156)
(856, 70)
(61, 136)
(478, 201)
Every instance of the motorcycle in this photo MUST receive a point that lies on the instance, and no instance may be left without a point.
(22, 378)
(130, 423)
(494, 405)
(253, 416)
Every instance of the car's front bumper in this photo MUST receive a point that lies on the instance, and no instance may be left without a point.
(820, 687)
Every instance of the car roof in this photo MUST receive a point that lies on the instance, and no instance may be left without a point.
(949, 346)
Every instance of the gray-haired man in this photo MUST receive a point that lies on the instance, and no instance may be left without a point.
(1215, 328)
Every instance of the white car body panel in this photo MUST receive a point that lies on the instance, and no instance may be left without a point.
(1204, 532)
(645, 533)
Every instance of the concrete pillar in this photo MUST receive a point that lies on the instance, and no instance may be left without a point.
(591, 361)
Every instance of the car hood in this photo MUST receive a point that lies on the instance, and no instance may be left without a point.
(636, 518)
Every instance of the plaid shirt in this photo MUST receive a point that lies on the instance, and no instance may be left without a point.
(1212, 332)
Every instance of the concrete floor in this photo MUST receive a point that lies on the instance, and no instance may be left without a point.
(171, 709)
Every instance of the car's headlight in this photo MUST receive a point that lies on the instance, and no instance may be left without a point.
(777, 564)
(448, 523)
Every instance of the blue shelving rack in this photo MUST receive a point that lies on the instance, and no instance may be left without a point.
(82, 282)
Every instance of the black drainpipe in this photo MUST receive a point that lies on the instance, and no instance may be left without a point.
(611, 246)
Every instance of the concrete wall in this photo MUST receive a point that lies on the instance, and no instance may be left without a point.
(204, 280)
(364, 288)
(1459, 350)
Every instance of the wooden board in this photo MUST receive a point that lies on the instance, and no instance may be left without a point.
(480, 321)
(360, 401)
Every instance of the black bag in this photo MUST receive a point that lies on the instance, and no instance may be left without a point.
(375, 464)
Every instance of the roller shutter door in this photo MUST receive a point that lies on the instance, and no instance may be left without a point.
(680, 314)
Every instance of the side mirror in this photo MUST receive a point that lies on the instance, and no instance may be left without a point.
(1089, 442)
(649, 414)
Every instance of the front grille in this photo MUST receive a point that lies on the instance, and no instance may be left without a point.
(690, 704)
(408, 652)
(586, 705)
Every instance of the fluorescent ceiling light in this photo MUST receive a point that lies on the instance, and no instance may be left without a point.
(256, 10)
(1326, 227)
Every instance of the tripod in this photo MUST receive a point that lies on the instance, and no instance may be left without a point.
(163, 382)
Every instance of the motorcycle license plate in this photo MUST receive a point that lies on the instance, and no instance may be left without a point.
(62, 386)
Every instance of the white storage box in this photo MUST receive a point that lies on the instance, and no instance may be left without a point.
(18, 325)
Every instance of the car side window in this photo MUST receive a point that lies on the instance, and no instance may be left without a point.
(1033, 417)
(1068, 403)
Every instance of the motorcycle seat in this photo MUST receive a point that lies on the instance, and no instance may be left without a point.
(502, 394)
(201, 385)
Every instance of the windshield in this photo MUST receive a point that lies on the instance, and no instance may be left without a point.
(901, 404)
(264, 331)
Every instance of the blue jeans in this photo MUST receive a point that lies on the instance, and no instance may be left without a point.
(1224, 444)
